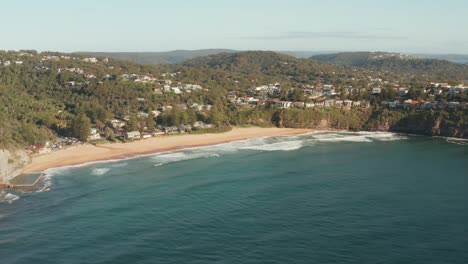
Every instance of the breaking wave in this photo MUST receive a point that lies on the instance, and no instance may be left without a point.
(165, 158)
(284, 146)
(100, 171)
(265, 144)
(7, 197)
(457, 141)
(340, 137)
(358, 137)
(283, 143)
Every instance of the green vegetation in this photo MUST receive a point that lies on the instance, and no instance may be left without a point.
(46, 95)
(398, 64)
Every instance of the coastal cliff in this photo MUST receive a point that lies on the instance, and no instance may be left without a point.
(429, 123)
(10, 162)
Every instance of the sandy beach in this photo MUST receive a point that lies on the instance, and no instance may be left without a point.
(89, 153)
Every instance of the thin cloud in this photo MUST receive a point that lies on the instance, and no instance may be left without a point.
(329, 35)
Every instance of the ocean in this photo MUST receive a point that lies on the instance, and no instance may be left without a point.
(325, 197)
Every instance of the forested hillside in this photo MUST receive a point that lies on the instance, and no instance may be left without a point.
(46, 96)
(397, 63)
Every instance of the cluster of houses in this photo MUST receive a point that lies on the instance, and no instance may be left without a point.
(168, 130)
(250, 100)
(163, 85)
(120, 128)
(432, 89)
(8, 62)
(177, 89)
(393, 55)
(328, 103)
(64, 57)
(59, 143)
(319, 95)
(421, 104)
(441, 88)
(138, 78)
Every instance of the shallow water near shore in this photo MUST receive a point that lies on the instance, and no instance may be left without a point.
(324, 197)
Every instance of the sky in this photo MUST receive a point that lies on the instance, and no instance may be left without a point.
(408, 26)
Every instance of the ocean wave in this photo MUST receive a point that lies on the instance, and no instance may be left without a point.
(280, 143)
(100, 171)
(340, 137)
(457, 141)
(358, 137)
(383, 136)
(8, 197)
(284, 146)
(181, 156)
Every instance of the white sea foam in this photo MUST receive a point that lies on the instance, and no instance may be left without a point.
(100, 171)
(278, 146)
(341, 137)
(383, 136)
(8, 197)
(457, 141)
(181, 156)
(282, 143)
(358, 137)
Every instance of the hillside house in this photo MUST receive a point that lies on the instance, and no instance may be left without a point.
(94, 134)
(133, 135)
(171, 130)
(284, 104)
(329, 103)
(347, 103)
(299, 104)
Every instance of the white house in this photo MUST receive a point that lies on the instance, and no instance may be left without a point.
(376, 90)
(133, 135)
(117, 123)
(284, 104)
(176, 90)
(329, 103)
(94, 135)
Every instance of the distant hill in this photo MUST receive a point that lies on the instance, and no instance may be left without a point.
(264, 62)
(248, 61)
(363, 58)
(304, 54)
(397, 63)
(169, 57)
(178, 56)
(457, 58)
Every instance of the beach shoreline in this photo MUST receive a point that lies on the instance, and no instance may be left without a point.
(87, 153)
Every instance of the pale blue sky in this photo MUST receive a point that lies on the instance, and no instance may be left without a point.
(431, 26)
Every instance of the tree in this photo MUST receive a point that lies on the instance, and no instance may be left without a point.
(216, 117)
(296, 95)
(81, 127)
(150, 123)
(132, 124)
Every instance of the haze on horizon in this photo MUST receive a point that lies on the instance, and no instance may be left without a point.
(302, 25)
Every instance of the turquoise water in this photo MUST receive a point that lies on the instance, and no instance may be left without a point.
(317, 198)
